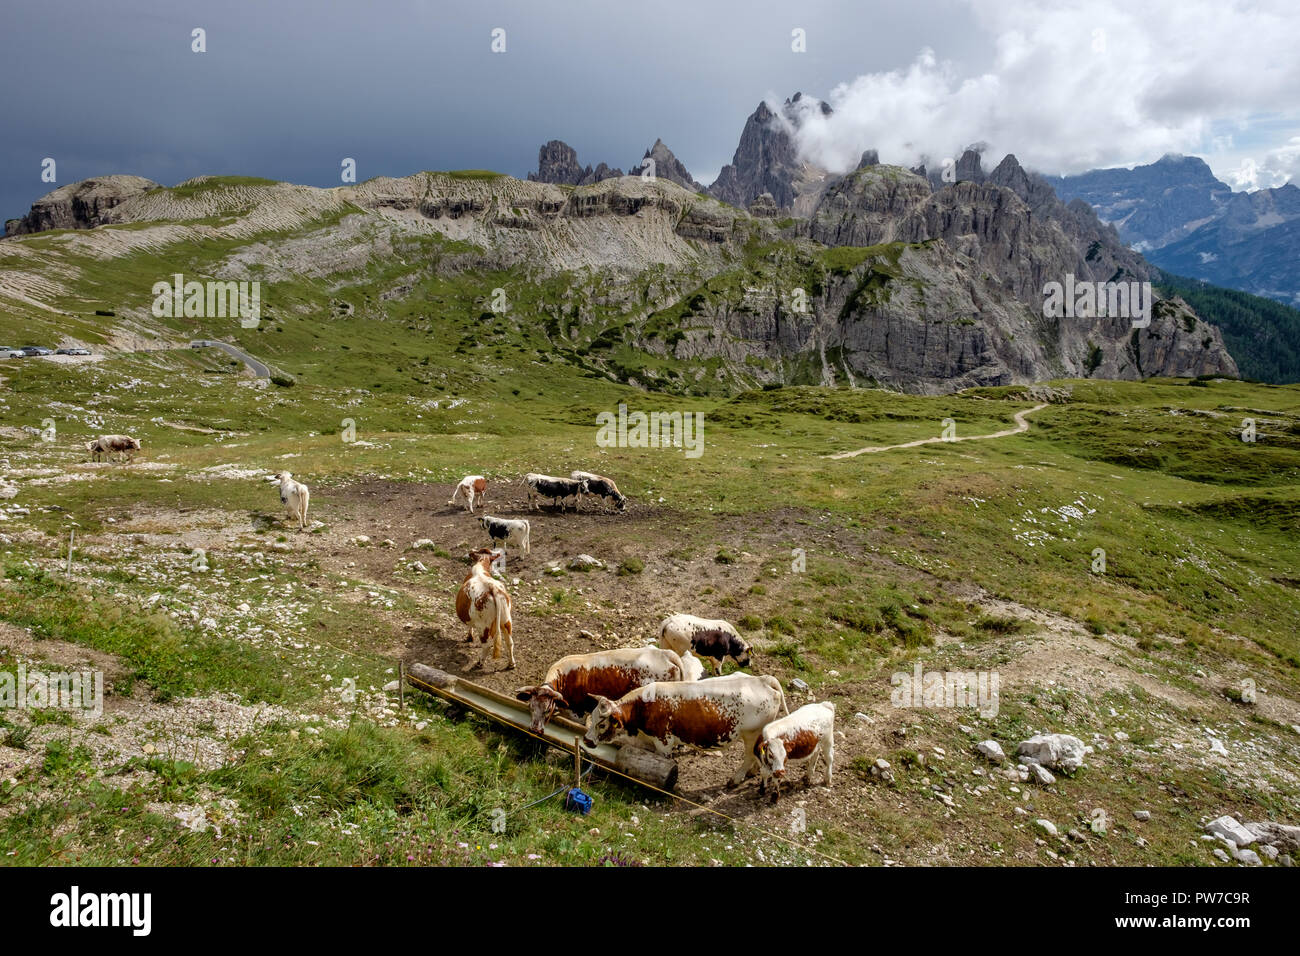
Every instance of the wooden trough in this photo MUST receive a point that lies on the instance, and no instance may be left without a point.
(644, 766)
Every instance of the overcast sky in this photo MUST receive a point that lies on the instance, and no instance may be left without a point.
(287, 88)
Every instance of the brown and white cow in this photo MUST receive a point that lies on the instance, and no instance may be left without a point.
(474, 488)
(573, 682)
(706, 713)
(124, 446)
(711, 638)
(805, 735)
(484, 604)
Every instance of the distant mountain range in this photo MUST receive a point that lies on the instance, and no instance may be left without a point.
(777, 272)
(1188, 222)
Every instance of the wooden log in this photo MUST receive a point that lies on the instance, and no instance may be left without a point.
(647, 765)
(418, 674)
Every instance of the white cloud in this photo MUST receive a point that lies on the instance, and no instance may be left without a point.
(1076, 86)
(1277, 168)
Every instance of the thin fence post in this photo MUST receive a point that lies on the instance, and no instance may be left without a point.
(401, 686)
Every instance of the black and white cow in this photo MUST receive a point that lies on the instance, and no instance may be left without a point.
(557, 489)
(601, 487)
(710, 638)
(507, 531)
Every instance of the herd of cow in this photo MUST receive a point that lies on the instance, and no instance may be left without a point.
(642, 696)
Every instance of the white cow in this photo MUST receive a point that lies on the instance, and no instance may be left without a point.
(124, 446)
(294, 496)
(474, 488)
(805, 735)
(705, 713)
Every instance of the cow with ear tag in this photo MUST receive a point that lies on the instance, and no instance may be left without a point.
(542, 702)
(803, 737)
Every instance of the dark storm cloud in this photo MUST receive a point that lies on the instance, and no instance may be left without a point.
(288, 88)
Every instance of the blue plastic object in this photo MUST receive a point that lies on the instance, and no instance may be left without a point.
(577, 801)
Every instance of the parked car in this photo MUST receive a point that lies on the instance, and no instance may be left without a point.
(72, 351)
(36, 350)
(7, 352)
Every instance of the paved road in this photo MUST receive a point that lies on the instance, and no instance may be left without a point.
(1021, 425)
(260, 369)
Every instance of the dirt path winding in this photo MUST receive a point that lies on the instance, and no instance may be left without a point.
(1021, 425)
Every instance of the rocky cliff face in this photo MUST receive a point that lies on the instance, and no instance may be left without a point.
(557, 162)
(80, 205)
(766, 161)
(900, 286)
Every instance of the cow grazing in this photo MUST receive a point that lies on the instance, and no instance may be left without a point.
(706, 713)
(601, 487)
(710, 638)
(573, 682)
(484, 604)
(507, 531)
(473, 488)
(124, 446)
(557, 489)
(294, 496)
(805, 735)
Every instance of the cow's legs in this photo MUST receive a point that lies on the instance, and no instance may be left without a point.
(750, 764)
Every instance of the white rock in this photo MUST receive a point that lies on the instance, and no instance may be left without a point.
(1142, 815)
(992, 750)
(1216, 747)
(361, 540)
(423, 544)
(1041, 774)
(1047, 826)
(1227, 828)
(585, 561)
(1219, 852)
(1058, 751)
(1249, 857)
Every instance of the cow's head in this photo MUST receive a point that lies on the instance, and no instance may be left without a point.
(771, 754)
(604, 723)
(620, 501)
(483, 520)
(279, 477)
(542, 701)
(739, 651)
(134, 443)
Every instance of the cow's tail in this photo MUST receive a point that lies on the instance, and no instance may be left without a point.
(776, 685)
(528, 533)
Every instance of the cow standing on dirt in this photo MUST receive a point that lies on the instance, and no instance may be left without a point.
(484, 604)
(294, 496)
(573, 682)
(474, 488)
(557, 489)
(706, 713)
(601, 487)
(507, 531)
(806, 735)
